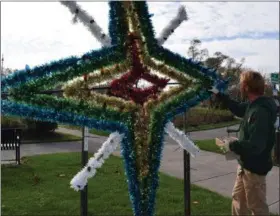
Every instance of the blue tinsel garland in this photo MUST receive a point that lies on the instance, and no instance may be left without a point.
(61, 67)
(203, 95)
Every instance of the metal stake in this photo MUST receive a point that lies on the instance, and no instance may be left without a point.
(187, 179)
(84, 192)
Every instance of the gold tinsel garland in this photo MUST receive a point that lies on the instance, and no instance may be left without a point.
(77, 89)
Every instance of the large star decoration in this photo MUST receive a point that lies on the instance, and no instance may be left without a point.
(133, 53)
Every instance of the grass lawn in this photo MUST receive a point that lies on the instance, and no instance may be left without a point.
(40, 186)
(49, 137)
(208, 145)
(100, 133)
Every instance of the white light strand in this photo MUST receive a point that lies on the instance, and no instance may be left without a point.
(88, 21)
(108, 147)
(173, 24)
(181, 138)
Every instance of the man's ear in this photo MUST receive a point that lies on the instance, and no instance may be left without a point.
(246, 88)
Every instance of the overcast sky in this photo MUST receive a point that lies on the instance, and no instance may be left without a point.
(37, 32)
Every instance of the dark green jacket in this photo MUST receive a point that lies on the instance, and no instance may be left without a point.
(257, 132)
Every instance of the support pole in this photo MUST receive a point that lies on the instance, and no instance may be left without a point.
(84, 192)
(187, 177)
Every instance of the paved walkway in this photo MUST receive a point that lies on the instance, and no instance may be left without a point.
(208, 170)
(211, 134)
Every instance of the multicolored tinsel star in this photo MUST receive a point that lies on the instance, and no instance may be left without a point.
(141, 115)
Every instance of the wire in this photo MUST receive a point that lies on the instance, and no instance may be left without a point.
(86, 89)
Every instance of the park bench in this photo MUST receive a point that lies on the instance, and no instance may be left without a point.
(11, 140)
(233, 130)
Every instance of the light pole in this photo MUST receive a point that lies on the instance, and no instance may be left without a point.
(84, 192)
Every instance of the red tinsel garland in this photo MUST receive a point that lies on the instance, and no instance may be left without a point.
(124, 86)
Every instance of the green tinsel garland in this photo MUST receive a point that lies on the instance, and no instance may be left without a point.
(74, 106)
(162, 54)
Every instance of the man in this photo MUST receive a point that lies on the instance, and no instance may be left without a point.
(254, 146)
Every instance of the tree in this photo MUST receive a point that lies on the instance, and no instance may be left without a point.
(6, 71)
(203, 54)
(193, 50)
(195, 53)
(225, 65)
(217, 61)
(234, 69)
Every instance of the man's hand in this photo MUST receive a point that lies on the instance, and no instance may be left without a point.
(214, 90)
(225, 148)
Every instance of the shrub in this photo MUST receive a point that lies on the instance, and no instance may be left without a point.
(39, 127)
(12, 122)
(29, 126)
(201, 115)
(46, 126)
